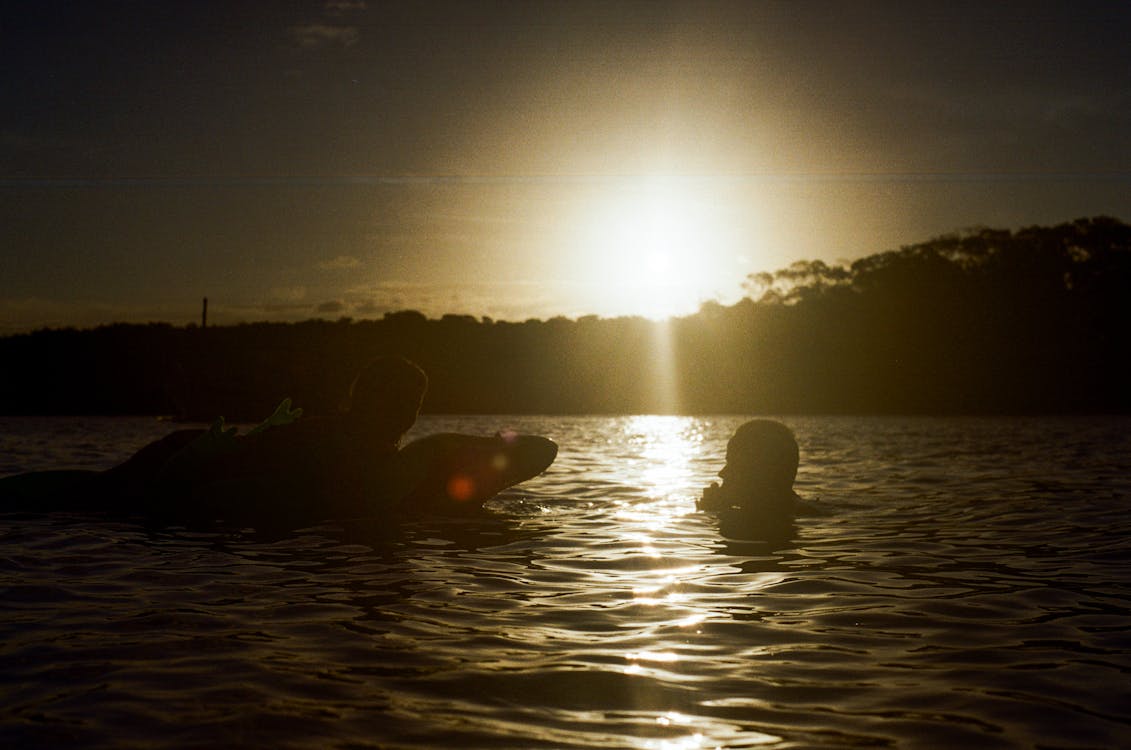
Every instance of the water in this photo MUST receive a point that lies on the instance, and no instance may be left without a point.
(969, 586)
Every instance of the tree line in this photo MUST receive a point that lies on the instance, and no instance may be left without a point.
(983, 321)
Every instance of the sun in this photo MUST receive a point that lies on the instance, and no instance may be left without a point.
(651, 248)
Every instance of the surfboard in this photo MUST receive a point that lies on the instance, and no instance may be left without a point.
(453, 470)
(436, 473)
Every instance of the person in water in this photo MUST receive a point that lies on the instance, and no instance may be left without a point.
(291, 471)
(326, 456)
(383, 403)
(761, 465)
(339, 458)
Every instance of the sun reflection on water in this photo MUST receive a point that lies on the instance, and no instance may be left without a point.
(666, 448)
(662, 450)
(662, 459)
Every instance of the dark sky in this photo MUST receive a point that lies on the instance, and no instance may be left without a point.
(526, 159)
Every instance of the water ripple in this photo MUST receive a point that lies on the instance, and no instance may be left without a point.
(969, 585)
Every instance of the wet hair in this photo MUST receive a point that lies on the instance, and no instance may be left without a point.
(769, 444)
(387, 394)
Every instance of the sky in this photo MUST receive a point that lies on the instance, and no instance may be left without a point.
(516, 160)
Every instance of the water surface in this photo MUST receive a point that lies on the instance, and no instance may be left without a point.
(969, 586)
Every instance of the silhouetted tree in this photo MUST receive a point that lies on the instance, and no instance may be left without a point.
(980, 321)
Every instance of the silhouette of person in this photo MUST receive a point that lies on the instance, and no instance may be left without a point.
(757, 490)
(352, 464)
(290, 472)
(328, 456)
(384, 401)
(335, 458)
(382, 405)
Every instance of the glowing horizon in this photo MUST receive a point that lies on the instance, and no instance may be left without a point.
(520, 161)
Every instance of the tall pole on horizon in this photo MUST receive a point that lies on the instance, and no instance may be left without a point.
(204, 314)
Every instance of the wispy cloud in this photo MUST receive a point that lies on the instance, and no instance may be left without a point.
(30, 313)
(342, 7)
(333, 307)
(287, 295)
(517, 300)
(332, 30)
(319, 35)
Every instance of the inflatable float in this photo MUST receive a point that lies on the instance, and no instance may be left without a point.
(170, 480)
(455, 470)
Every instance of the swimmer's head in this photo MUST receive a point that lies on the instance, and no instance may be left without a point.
(762, 456)
(386, 396)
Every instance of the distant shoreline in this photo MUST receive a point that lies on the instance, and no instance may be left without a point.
(990, 322)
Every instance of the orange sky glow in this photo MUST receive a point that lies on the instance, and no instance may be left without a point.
(519, 160)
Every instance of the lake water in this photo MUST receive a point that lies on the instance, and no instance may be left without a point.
(969, 586)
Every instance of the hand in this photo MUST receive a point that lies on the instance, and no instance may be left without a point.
(712, 497)
(282, 415)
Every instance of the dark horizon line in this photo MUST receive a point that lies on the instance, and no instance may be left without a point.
(443, 179)
(351, 320)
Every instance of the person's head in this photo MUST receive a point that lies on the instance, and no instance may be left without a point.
(762, 457)
(386, 395)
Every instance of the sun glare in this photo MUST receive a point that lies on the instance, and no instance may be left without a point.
(653, 249)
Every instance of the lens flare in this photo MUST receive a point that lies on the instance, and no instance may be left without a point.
(461, 488)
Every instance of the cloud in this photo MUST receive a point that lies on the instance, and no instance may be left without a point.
(318, 35)
(499, 300)
(30, 313)
(340, 263)
(341, 7)
(286, 295)
(372, 308)
(332, 308)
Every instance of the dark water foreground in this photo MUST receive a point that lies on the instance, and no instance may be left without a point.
(970, 587)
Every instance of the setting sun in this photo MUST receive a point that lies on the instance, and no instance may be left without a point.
(655, 248)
